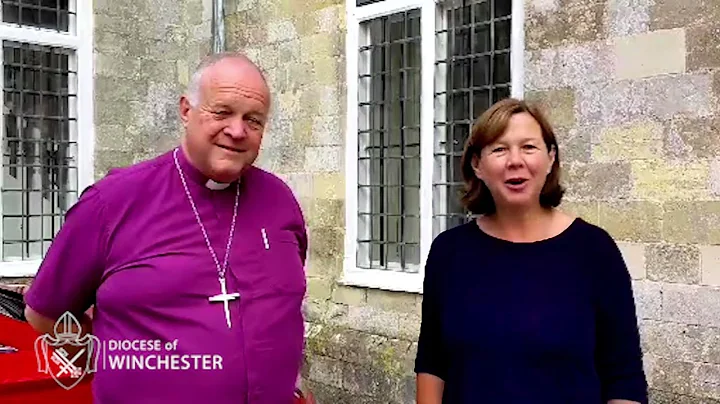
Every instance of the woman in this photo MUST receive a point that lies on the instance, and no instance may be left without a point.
(525, 304)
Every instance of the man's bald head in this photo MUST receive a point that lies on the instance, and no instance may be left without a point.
(225, 112)
(194, 90)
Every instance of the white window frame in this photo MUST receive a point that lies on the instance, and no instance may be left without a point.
(79, 38)
(386, 279)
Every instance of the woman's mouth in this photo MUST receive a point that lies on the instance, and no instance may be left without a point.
(516, 184)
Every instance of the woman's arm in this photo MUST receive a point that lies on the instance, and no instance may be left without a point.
(619, 357)
(430, 389)
(430, 364)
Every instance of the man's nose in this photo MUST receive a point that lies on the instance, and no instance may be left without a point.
(236, 129)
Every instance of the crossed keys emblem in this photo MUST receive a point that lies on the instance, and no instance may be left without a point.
(67, 370)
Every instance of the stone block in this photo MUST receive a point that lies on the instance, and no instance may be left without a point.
(329, 185)
(391, 324)
(634, 256)
(350, 295)
(325, 393)
(664, 180)
(665, 397)
(691, 304)
(109, 159)
(331, 19)
(693, 138)
(571, 66)
(327, 371)
(326, 241)
(395, 301)
(689, 343)
(300, 183)
(598, 180)
(641, 139)
(321, 46)
(628, 17)
(648, 299)
(650, 54)
(327, 71)
(574, 144)
(328, 130)
(324, 213)
(368, 380)
(715, 177)
(587, 210)
(632, 220)
(691, 222)
(543, 6)
(280, 30)
(324, 158)
(703, 46)
(114, 137)
(319, 288)
(665, 14)
(710, 265)
(672, 375)
(558, 105)
(323, 266)
(575, 23)
(673, 263)
(663, 97)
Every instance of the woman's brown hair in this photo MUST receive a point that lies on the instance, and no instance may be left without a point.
(487, 129)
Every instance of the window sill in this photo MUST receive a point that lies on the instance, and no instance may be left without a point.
(19, 269)
(392, 281)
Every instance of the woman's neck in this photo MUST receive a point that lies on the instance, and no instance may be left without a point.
(519, 225)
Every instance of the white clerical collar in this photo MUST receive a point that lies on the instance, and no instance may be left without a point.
(214, 185)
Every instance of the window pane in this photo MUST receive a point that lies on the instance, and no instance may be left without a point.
(389, 142)
(49, 14)
(473, 39)
(40, 149)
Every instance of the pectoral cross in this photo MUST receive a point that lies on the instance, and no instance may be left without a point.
(225, 298)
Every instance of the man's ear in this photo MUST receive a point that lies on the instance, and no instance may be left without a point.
(185, 108)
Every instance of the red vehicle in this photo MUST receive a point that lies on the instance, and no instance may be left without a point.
(21, 380)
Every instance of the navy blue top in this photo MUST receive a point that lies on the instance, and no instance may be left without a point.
(551, 321)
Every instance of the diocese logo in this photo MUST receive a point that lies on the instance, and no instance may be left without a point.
(66, 356)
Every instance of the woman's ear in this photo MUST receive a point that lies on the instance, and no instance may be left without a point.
(477, 169)
(552, 155)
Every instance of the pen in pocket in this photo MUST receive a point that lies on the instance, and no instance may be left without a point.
(265, 239)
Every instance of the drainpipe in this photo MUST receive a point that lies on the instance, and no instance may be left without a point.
(218, 26)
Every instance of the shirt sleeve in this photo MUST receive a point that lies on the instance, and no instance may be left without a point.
(72, 268)
(619, 354)
(430, 358)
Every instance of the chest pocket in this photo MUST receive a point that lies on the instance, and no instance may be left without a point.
(281, 267)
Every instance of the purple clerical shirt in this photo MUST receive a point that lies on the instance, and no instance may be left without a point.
(132, 247)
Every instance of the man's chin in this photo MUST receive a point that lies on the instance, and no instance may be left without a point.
(226, 174)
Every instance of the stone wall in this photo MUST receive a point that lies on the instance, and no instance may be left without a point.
(633, 88)
(144, 53)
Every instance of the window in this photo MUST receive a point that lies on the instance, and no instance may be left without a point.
(419, 72)
(46, 122)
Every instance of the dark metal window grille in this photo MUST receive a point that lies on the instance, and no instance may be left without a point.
(389, 143)
(39, 146)
(473, 40)
(48, 14)
(366, 2)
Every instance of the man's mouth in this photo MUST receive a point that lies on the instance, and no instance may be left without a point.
(232, 149)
